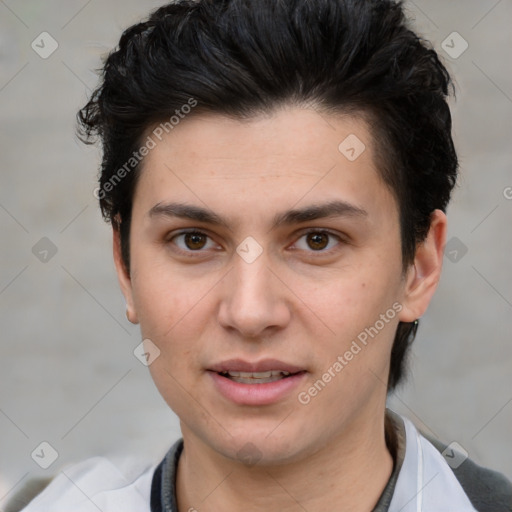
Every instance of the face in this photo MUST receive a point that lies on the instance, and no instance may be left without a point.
(266, 269)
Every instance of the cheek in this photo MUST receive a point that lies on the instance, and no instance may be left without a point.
(173, 316)
(350, 306)
(165, 296)
(350, 299)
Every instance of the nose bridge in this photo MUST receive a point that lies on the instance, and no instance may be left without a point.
(251, 269)
(252, 280)
(252, 301)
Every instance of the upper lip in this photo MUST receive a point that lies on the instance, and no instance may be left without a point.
(265, 365)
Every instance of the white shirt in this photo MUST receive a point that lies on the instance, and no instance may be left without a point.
(98, 485)
(425, 484)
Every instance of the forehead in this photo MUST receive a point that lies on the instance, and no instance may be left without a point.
(257, 166)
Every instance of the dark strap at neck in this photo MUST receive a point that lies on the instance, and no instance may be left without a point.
(156, 489)
(163, 485)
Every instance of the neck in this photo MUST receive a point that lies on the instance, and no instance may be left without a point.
(350, 470)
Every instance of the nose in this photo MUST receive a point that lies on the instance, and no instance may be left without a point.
(255, 301)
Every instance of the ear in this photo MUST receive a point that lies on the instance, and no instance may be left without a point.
(424, 274)
(124, 278)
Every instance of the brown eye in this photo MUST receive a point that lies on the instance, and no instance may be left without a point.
(317, 241)
(322, 242)
(195, 241)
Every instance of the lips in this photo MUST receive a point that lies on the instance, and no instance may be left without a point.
(256, 383)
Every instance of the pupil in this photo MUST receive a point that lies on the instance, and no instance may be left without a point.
(194, 240)
(318, 241)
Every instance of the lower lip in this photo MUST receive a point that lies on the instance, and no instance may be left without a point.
(256, 394)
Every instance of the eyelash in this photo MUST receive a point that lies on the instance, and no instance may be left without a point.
(321, 252)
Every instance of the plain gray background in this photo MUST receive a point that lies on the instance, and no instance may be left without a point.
(69, 376)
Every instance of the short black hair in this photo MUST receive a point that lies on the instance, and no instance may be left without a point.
(241, 58)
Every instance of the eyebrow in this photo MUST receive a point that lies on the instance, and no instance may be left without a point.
(295, 216)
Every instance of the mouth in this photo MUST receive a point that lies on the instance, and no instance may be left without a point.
(257, 383)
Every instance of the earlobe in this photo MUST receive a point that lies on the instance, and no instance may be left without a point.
(129, 315)
(424, 274)
(124, 277)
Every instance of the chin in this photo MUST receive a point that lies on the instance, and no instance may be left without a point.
(266, 444)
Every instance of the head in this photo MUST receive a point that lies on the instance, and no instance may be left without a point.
(222, 117)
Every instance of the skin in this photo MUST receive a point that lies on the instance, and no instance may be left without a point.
(293, 303)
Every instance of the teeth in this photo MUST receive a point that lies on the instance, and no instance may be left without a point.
(256, 377)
